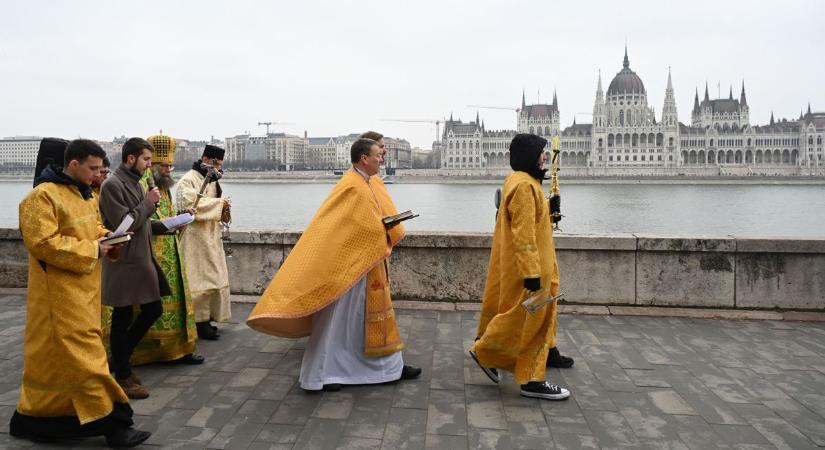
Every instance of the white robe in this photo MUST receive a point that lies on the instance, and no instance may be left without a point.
(335, 351)
(202, 250)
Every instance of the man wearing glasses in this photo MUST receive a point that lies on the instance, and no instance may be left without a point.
(101, 177)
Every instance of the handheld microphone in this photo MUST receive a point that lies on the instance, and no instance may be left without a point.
(150, 182)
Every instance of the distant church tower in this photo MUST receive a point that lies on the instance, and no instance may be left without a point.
(670, 122)
(599, 137)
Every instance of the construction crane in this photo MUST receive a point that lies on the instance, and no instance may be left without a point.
(493, 107)
(268, 124)
(436, 122)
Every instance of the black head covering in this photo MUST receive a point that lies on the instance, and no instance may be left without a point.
(213, 151)
(51, 152)
(525, 150)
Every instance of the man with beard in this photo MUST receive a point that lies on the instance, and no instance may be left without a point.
(172, 337)
(136, 278)
(201, 242)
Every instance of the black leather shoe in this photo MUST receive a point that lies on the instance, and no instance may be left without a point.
(205, 331)
(190, 359)
(127, 437)
(410, 372)
(556, 359)
(334, 387)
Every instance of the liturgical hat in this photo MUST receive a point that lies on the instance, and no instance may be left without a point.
(213, 151)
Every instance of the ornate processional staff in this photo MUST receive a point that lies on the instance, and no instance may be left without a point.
(555, 195)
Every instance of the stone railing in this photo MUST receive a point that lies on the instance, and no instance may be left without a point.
(692, 271)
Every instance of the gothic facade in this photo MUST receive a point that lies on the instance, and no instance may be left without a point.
(625, 133)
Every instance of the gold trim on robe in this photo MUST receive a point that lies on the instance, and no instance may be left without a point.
(345, 241)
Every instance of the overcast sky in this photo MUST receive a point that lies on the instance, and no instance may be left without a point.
(196, 69)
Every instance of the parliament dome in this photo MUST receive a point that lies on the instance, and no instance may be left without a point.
(626, 81)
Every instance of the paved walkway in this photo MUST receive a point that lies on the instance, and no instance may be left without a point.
(638, 382)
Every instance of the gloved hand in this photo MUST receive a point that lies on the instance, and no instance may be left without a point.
(555, 207)
(532, 284)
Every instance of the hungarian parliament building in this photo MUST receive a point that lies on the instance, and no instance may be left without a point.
(625, 136)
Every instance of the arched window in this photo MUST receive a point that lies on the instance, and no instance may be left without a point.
(659, 138)
(532, 130)
(621, 117)
(610, 140)
(547, 130)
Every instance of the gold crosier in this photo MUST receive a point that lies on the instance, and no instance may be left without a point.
(554, 181)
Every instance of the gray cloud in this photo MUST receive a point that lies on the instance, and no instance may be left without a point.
(100, 69)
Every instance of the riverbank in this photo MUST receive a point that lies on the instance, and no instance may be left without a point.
(310, 178)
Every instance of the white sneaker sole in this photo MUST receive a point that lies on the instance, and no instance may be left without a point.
(490, 374)
(565, 394)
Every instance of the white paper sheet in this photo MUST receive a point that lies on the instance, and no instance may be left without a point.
(123, 227)
(180, 220)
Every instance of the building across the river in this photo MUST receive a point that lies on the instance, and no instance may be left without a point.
(625, 137)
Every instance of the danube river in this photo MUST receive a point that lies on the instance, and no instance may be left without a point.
(668, 209)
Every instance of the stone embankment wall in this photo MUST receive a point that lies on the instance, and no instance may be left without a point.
(700, 271)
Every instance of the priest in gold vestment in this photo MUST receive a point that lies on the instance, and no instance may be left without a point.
(334, 285)
(522, 263)
(67, 391)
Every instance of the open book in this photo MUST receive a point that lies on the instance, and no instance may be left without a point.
(391, 221)
(119, 235)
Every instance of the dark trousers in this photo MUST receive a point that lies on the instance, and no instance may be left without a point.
(126, 333)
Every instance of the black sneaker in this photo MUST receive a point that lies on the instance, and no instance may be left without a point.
(491, 373)
(544, 390)
(556, 359)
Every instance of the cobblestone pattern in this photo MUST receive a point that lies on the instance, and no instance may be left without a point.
(638, 382)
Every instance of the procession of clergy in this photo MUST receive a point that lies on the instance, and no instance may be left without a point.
(96, 309)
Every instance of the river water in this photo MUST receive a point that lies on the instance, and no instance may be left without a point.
(666, 209)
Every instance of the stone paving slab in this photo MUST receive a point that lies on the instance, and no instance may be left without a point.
(640, 381)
